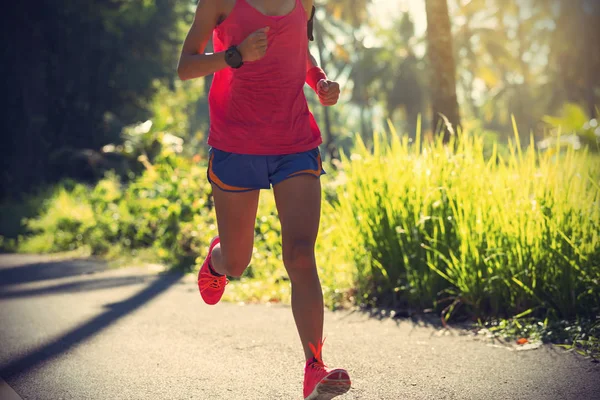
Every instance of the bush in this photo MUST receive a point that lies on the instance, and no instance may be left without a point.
(14, 214)
(167, 209)
(440, 228)
(406, 225)
(63, 226)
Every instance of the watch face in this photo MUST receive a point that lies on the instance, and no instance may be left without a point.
(233, 58)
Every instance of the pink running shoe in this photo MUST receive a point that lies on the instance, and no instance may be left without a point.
(322, 383)
(210, 285)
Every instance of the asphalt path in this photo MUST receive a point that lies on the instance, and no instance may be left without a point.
(75, 329)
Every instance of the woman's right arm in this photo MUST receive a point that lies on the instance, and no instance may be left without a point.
(193, 63)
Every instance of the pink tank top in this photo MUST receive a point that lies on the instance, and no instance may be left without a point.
(260, 108)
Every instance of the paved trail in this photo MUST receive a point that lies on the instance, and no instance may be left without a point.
(75, 330)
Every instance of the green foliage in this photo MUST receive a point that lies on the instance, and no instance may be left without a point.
(407, 224)
(13, 214)
(68, 218)
(167, 209)
(498, 236)
(573, 127)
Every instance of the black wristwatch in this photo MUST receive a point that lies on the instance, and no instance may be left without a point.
(233, 57)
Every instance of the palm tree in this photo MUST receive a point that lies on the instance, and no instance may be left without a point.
(440, 52)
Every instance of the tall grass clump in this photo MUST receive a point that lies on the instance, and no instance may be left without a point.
(433, 225)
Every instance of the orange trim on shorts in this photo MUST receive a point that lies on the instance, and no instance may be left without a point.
(222, 185)
(315, 172)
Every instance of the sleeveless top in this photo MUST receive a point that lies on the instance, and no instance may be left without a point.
(261, 108)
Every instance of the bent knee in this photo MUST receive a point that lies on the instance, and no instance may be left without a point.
(236, 265)
(299, 254)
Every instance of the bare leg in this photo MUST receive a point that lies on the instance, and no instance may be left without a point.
(236, 217)
(298, 202)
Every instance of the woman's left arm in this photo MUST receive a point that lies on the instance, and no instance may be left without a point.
(327, 90)
(309, 8)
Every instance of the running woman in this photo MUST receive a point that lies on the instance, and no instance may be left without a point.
(263, 135)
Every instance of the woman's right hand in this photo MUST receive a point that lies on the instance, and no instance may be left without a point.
(254, 47)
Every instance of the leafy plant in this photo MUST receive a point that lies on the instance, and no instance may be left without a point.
(166, 209)
(449, 229)
(410, 225)
(573, 127)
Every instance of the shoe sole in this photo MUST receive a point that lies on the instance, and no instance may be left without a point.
(329, 388)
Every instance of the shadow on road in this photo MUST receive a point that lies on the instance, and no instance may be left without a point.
(40, 271)
(85, 285)
(417, 319)
(87, 330)
(399, 315)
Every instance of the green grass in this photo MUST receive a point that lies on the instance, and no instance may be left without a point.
(425, 227)
(458, 229)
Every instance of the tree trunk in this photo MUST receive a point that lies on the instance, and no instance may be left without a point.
(443, 83)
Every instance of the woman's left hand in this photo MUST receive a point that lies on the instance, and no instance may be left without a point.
(328, 92)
